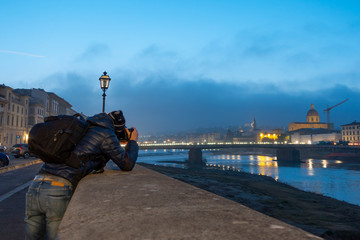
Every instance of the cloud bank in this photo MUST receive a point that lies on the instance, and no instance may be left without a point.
(164, 103)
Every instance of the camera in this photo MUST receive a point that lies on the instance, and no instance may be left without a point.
(122, 135)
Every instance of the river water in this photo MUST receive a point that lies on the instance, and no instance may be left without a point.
(333, 178)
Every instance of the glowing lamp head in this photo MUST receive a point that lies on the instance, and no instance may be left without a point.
(104, 81)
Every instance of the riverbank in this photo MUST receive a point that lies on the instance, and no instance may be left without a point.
(320, 215)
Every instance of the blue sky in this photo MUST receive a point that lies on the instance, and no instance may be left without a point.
(179, 65)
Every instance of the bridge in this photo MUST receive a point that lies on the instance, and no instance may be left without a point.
(283, 151)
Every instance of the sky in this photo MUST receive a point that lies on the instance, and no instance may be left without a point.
(180, 65)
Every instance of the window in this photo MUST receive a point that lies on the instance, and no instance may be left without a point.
(12, 120)
(13, 107)
(17, 109)
(17, 121)
(8, 120)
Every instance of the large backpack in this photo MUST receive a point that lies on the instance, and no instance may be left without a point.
(54, 140)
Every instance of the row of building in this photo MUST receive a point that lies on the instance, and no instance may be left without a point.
(314, 131)
(20, 109)
(310, 132)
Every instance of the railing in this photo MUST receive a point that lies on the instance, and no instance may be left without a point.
(279, 145)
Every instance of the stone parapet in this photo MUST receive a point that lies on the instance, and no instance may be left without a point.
(143, 204)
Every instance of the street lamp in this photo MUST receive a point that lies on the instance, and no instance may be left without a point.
(104, 84)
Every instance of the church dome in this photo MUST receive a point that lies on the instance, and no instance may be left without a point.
(312, 115)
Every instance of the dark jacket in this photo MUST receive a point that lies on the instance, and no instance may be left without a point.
(98, 146)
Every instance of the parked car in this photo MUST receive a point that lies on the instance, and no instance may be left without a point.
(3, 149)
(20, 150)
(4, 159)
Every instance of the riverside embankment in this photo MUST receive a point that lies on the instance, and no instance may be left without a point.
(318, 214)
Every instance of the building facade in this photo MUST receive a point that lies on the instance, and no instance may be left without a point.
(37, 105)
(312, 121)
(314, 136)
(14, 110)
(20, 109)
(36, 113)
(57, 105)
(351, 133)
(44, 104)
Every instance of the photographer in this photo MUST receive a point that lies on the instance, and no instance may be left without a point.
(51, 190)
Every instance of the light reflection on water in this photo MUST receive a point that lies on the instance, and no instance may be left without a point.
(332, 178)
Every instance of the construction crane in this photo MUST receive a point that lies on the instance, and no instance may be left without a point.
(327, 110)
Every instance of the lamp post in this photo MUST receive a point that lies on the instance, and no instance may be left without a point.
(104, 84)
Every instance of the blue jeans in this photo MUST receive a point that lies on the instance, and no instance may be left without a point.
(46, 203)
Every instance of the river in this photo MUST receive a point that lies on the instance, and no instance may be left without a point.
(333, 178)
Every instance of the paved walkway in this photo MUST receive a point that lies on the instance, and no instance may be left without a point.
(143, 204)
(19, 163)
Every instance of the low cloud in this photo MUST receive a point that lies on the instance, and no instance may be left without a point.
(164, 104)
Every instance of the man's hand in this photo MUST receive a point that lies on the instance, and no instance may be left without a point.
(134, 134)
